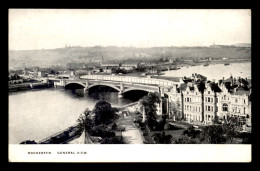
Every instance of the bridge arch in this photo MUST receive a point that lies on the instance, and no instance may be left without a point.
(75, 84)
(138, 89)
(108, 85)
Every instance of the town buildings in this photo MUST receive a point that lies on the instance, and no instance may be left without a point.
(202, 102)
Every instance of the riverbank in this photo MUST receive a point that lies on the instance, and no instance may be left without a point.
(130, 134)
(28, 86)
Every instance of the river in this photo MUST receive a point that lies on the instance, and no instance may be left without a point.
(37, 114)
(214, 71)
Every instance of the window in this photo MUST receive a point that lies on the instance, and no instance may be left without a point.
(208, 92)
(244, 101)
(208, 99)
(187, 99)
(236, 100)
(211, 100)
(244, 110)
(224, 97)
(208, 108)
(225, 107)
(199, 109)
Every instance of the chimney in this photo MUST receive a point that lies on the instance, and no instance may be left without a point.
(223, 79)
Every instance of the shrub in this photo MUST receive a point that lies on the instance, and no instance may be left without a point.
(113, 140)
(102, 133)
(28, 142)
(114, 126)
(162, 138)
(159, 126)
(190, 131)
(185, 140)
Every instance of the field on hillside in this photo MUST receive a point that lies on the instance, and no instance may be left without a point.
(62, 56)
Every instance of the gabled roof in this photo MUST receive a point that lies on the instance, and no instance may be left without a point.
(215, 88)
(228, 80)
(183, 86)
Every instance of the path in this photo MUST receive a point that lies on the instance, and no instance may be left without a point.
(132, 134)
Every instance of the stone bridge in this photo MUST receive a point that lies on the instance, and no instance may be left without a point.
(124, 84)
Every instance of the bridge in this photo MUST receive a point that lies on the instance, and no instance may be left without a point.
(122, 84)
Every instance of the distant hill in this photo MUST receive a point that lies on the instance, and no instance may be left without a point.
(243, 45)
(62, 56)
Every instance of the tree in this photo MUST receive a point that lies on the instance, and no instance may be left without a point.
(231, 127)
(173, 107)
(216, 120)
(149, 102)
(213, 134)
(104, 113)
(162, 138)
(114, 126)
(84, 121)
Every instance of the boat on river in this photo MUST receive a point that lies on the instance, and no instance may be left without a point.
(226, 63)
(206, 64)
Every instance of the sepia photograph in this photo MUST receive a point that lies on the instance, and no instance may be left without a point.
(128, 82)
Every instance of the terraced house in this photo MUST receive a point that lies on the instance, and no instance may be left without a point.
(203, 104)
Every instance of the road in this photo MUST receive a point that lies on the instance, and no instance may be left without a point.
(132, 134)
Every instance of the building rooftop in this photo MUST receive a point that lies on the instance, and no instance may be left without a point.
(241, 90)
(214, 87)
(183, 86)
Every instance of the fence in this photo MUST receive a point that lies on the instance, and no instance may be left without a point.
(154, 81)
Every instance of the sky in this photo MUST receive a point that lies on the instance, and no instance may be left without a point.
(31, 29)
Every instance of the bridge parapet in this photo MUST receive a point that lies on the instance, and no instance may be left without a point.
(130, 79)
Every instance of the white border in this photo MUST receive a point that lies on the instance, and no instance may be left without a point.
(131, 153)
